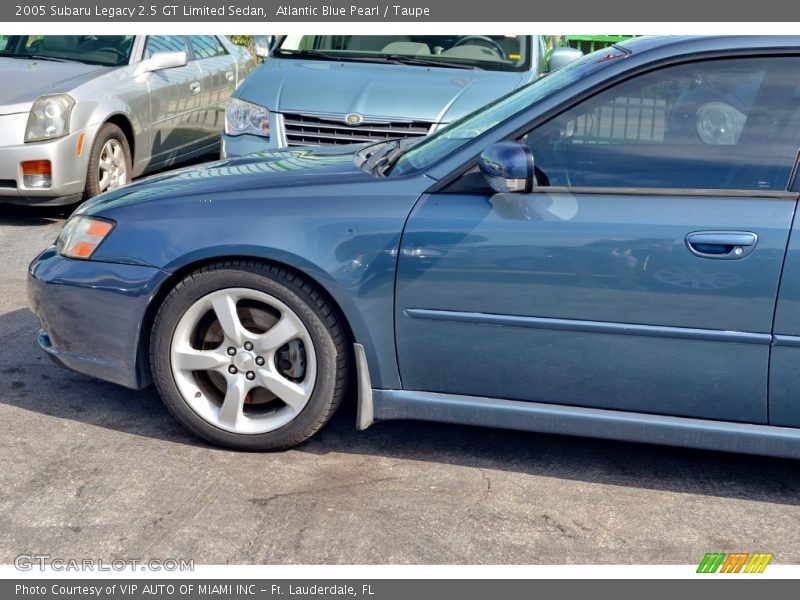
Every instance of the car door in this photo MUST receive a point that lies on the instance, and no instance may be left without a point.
(218, 69)
(174, 103)
(640, 274)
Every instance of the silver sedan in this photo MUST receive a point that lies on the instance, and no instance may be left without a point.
(83, 114)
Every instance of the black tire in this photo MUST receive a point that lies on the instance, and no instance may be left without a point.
(107, 132)
(315, 311)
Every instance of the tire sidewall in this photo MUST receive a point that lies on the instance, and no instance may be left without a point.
(107, 132)
(205, 282)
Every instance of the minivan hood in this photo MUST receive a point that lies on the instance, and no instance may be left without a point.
(260, 171)
(33, 77)
(434, 94)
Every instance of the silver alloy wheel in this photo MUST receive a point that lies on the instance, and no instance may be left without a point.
(113, 166)
(222, 384)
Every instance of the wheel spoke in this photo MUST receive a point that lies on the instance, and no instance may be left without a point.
(190, 359)
(293, 394)
(225, 309)
(106, 164)
(231, 410)
(286, 329)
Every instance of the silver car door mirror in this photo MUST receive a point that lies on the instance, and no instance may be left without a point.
(163, 60)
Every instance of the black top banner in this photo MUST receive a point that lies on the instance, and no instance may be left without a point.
(355, 11)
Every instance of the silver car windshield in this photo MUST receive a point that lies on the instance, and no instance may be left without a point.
(438, 145)
(106, 50)
(488, 52)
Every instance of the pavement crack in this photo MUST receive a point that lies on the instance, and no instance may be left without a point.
(279, 496)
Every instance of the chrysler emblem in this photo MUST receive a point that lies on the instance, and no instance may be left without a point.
(354, 119)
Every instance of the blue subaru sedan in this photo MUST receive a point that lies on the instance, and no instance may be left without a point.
(610, 251)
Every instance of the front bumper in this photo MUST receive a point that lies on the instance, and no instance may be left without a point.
(92, 314)
(69, 169)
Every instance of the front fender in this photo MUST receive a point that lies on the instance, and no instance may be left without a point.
(345, 238)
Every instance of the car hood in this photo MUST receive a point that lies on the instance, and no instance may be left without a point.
(434, 94)
(32, 77)
(264, 170)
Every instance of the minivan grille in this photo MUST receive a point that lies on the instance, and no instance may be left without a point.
(332, 130)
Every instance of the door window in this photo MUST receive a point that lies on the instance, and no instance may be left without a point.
(206, 46)
(721, 124)
(164, 43)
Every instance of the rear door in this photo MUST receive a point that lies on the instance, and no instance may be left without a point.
(218, 69)
(174, 103)
(640, 275)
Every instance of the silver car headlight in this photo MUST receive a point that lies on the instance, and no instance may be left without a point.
(49, 117)
(245, 117)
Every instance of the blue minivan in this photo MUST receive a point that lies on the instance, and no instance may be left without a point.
(345, 89)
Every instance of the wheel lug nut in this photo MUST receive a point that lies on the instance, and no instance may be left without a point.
(248, 346)
(232, 370)
(250, 375)
(231, 351)
(260, 361)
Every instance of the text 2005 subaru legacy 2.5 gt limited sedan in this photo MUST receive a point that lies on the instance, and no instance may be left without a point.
(607, 252)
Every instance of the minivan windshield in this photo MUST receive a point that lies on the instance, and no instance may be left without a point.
(438, 145)
(106, 50)
(489, 52)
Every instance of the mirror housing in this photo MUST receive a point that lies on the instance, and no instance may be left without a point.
(508, 167)
(262, 45)
(563, 55)
(163, 60)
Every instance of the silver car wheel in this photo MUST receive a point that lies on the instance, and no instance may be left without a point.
(113, 167)
(243, 361)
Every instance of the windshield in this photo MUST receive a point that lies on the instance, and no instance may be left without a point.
(489, 52)
(457, 134)
(106, 50)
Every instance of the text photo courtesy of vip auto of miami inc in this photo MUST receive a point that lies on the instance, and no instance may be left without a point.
(322, 314)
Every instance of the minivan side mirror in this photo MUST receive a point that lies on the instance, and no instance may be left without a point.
(508, 167)
(560, 57)
(163, 60)
(262, 45)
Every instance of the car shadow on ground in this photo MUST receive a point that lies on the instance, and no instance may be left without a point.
(32, 216)
(31, 382)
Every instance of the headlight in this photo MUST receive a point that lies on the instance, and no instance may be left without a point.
(82, 235)
(244, 117)
(49, 117)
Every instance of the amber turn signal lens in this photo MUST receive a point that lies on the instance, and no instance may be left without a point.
(36, 167)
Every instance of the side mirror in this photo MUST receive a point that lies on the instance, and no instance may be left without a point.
(508, 167)
(163, 60)
(560, 57)
(262, 45)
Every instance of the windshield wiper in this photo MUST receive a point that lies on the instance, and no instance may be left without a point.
(36, 56)
(383, 159)
(311, 53)
(326, 56)
(429, 62)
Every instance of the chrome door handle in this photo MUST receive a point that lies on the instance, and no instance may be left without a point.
(195, 86)
(229, 76)
(721, 245)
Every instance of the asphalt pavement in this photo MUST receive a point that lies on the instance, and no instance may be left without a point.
(89, 469)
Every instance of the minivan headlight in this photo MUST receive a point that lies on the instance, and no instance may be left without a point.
(82, 235)
(245, 117)
(49, 117)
